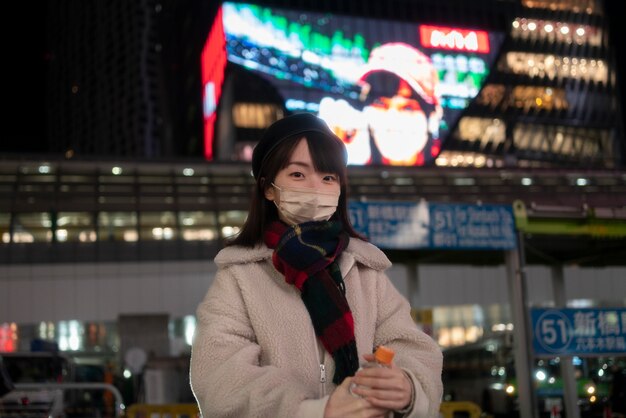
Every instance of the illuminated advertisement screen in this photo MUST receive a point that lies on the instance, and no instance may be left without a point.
(390, 90)
(213, 63)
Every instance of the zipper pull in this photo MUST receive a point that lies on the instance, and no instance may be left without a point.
(322, 373)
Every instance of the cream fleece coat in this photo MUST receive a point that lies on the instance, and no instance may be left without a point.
(255, 353)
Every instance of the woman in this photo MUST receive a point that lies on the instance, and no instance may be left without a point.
(299, 296)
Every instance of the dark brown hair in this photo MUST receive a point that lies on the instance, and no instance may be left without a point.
(328, 156)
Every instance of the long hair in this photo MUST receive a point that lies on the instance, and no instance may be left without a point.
(328, 156)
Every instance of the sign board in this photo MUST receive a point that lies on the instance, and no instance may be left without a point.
(583, 331)
(410, 225)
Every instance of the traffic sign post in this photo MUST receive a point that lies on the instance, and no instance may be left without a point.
(516, 281)
(567, 332)
(570, 394)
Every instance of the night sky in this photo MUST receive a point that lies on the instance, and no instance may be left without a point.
(24, 56)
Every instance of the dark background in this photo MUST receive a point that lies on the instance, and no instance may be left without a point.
(181, 28)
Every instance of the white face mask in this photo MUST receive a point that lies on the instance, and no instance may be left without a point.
(298, 205)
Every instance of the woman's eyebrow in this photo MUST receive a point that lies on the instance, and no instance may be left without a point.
(299, 163)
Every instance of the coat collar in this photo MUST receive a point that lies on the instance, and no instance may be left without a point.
(358, 251)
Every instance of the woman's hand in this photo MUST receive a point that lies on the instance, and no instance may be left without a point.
(342, 404)
(384, 387)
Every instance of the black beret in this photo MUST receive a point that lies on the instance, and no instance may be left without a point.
(282, 129)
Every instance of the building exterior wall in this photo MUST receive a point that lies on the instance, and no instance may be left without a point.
(103, 291)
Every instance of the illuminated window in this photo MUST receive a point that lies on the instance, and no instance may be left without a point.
(70, 335)
(45, 331)
(111, 178)
(77, 179)
(553, 66)
(36, 184)
(467, 159)
(231, 221)
(573, 143)
(5, 225)
(38, 178)
(556, 32)
(492, 95)
(523, 97)
(145, 181)
(8, 337)
(539, 97)
(75, 226)
(576, 6)
(487, 131)
(32, 227)
(255, 115)
(157, 226)
(117, 226)
(198, 226)
(96, 335)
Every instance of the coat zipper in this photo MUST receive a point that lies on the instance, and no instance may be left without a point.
(321, 358)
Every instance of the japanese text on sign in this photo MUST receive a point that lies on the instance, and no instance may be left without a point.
(579, 331)
(405, 225)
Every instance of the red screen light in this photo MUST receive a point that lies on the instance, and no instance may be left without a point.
(454, 39)
(213, 63)
(8, 337)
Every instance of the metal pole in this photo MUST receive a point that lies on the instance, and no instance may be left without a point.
(119, 404)
(570, 392)
(412, 285)
(517, 297)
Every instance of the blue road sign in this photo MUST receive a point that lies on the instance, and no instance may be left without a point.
(584, 331)
(408, 225)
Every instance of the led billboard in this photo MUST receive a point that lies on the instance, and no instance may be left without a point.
(391, 90)
(213, 62)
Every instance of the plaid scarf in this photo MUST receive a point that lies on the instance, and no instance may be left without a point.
(306, 255)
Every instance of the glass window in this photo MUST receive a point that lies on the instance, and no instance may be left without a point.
(154, 180)
(492, 95)
(116, 179)
(38, 178)
(5, 227)
(33, 227)
(116, 188)
(75, 226)
(552, 66)
(159, 189)
(25, 188)
(231, 221)
(196, 189)
(556, 31)
(576, 6)
(157, 226)
(483, 130)
(530, 97)
(181, 331)
(198, 226)
(77, 178)
(8, 179)
(117, 226)
(569, 142)
(191, 180)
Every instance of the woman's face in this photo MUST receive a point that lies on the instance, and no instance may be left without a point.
(300, 173)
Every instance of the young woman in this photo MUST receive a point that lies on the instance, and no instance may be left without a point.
(300, 298)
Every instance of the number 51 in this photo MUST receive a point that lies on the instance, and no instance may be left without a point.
(550, 332)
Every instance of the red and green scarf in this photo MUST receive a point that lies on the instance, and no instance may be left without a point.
(306, 255)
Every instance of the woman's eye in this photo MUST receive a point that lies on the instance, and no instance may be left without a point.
(297, 174)
(330, 178)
